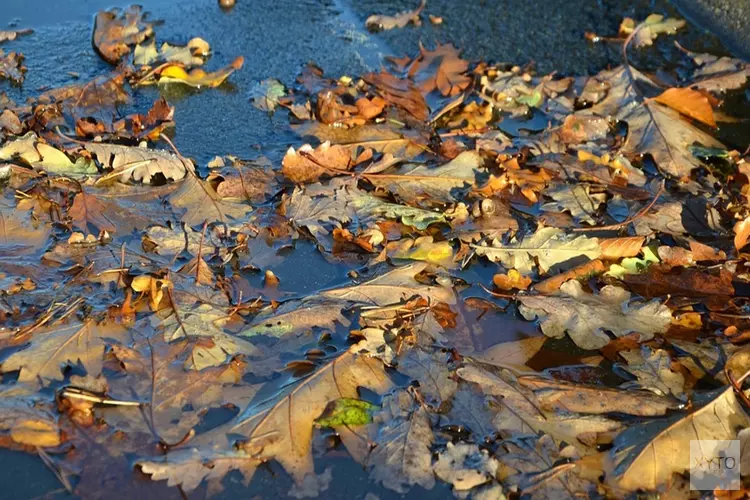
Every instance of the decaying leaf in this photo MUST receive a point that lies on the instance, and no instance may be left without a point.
(402, 457)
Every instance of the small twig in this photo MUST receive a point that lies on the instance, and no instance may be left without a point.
(499, 295)
(199, 259)
(627, 221)
(311, 158)
(152, 72)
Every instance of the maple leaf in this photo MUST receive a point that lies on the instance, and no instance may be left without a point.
(585, 317)
(202, 203)
(440, 69)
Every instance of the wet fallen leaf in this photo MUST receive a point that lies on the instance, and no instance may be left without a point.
(691, 103)
(192, 54)
(585, 317)
(308, 165)
(513, 279)
(11, 66)
(116, 32)
(401, 457)
(646, 455)
(383, 22)
(547, 245)
(198, 78)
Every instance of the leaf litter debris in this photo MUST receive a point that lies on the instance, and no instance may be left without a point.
(619, 230)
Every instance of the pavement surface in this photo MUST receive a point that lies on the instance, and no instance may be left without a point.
(277, 37)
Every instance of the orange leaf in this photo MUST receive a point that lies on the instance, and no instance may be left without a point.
(741, 233)
(616, 248)
(691, 103)
(512, 280)
(552, 284)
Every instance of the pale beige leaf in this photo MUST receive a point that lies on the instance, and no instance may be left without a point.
(585, 317)
(645, 456)
(548, 245)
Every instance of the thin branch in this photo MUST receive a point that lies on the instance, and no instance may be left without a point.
(627, 221)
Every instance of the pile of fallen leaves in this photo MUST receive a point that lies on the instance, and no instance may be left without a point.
(618, 226)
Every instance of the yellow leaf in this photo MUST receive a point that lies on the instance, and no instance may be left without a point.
(512, 280)
(689, 102)
(35, 433)
(197, 77)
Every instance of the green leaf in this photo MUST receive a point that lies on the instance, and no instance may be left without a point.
(633, 265)
(347, 411)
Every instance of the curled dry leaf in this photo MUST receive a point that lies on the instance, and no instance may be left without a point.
(581, 272)
(174, 73)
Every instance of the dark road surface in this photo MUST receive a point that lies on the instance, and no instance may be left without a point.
(277, 37)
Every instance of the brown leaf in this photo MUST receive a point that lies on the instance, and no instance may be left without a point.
(617, 248)
(741, 234)
(440, 69)
(384, 23)
(116, 31)
(682, 281)
(103, 215)
(691, 103)
(570, 397)
(400, 92)
(308, 165)
(583, 271)
(11, 66)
